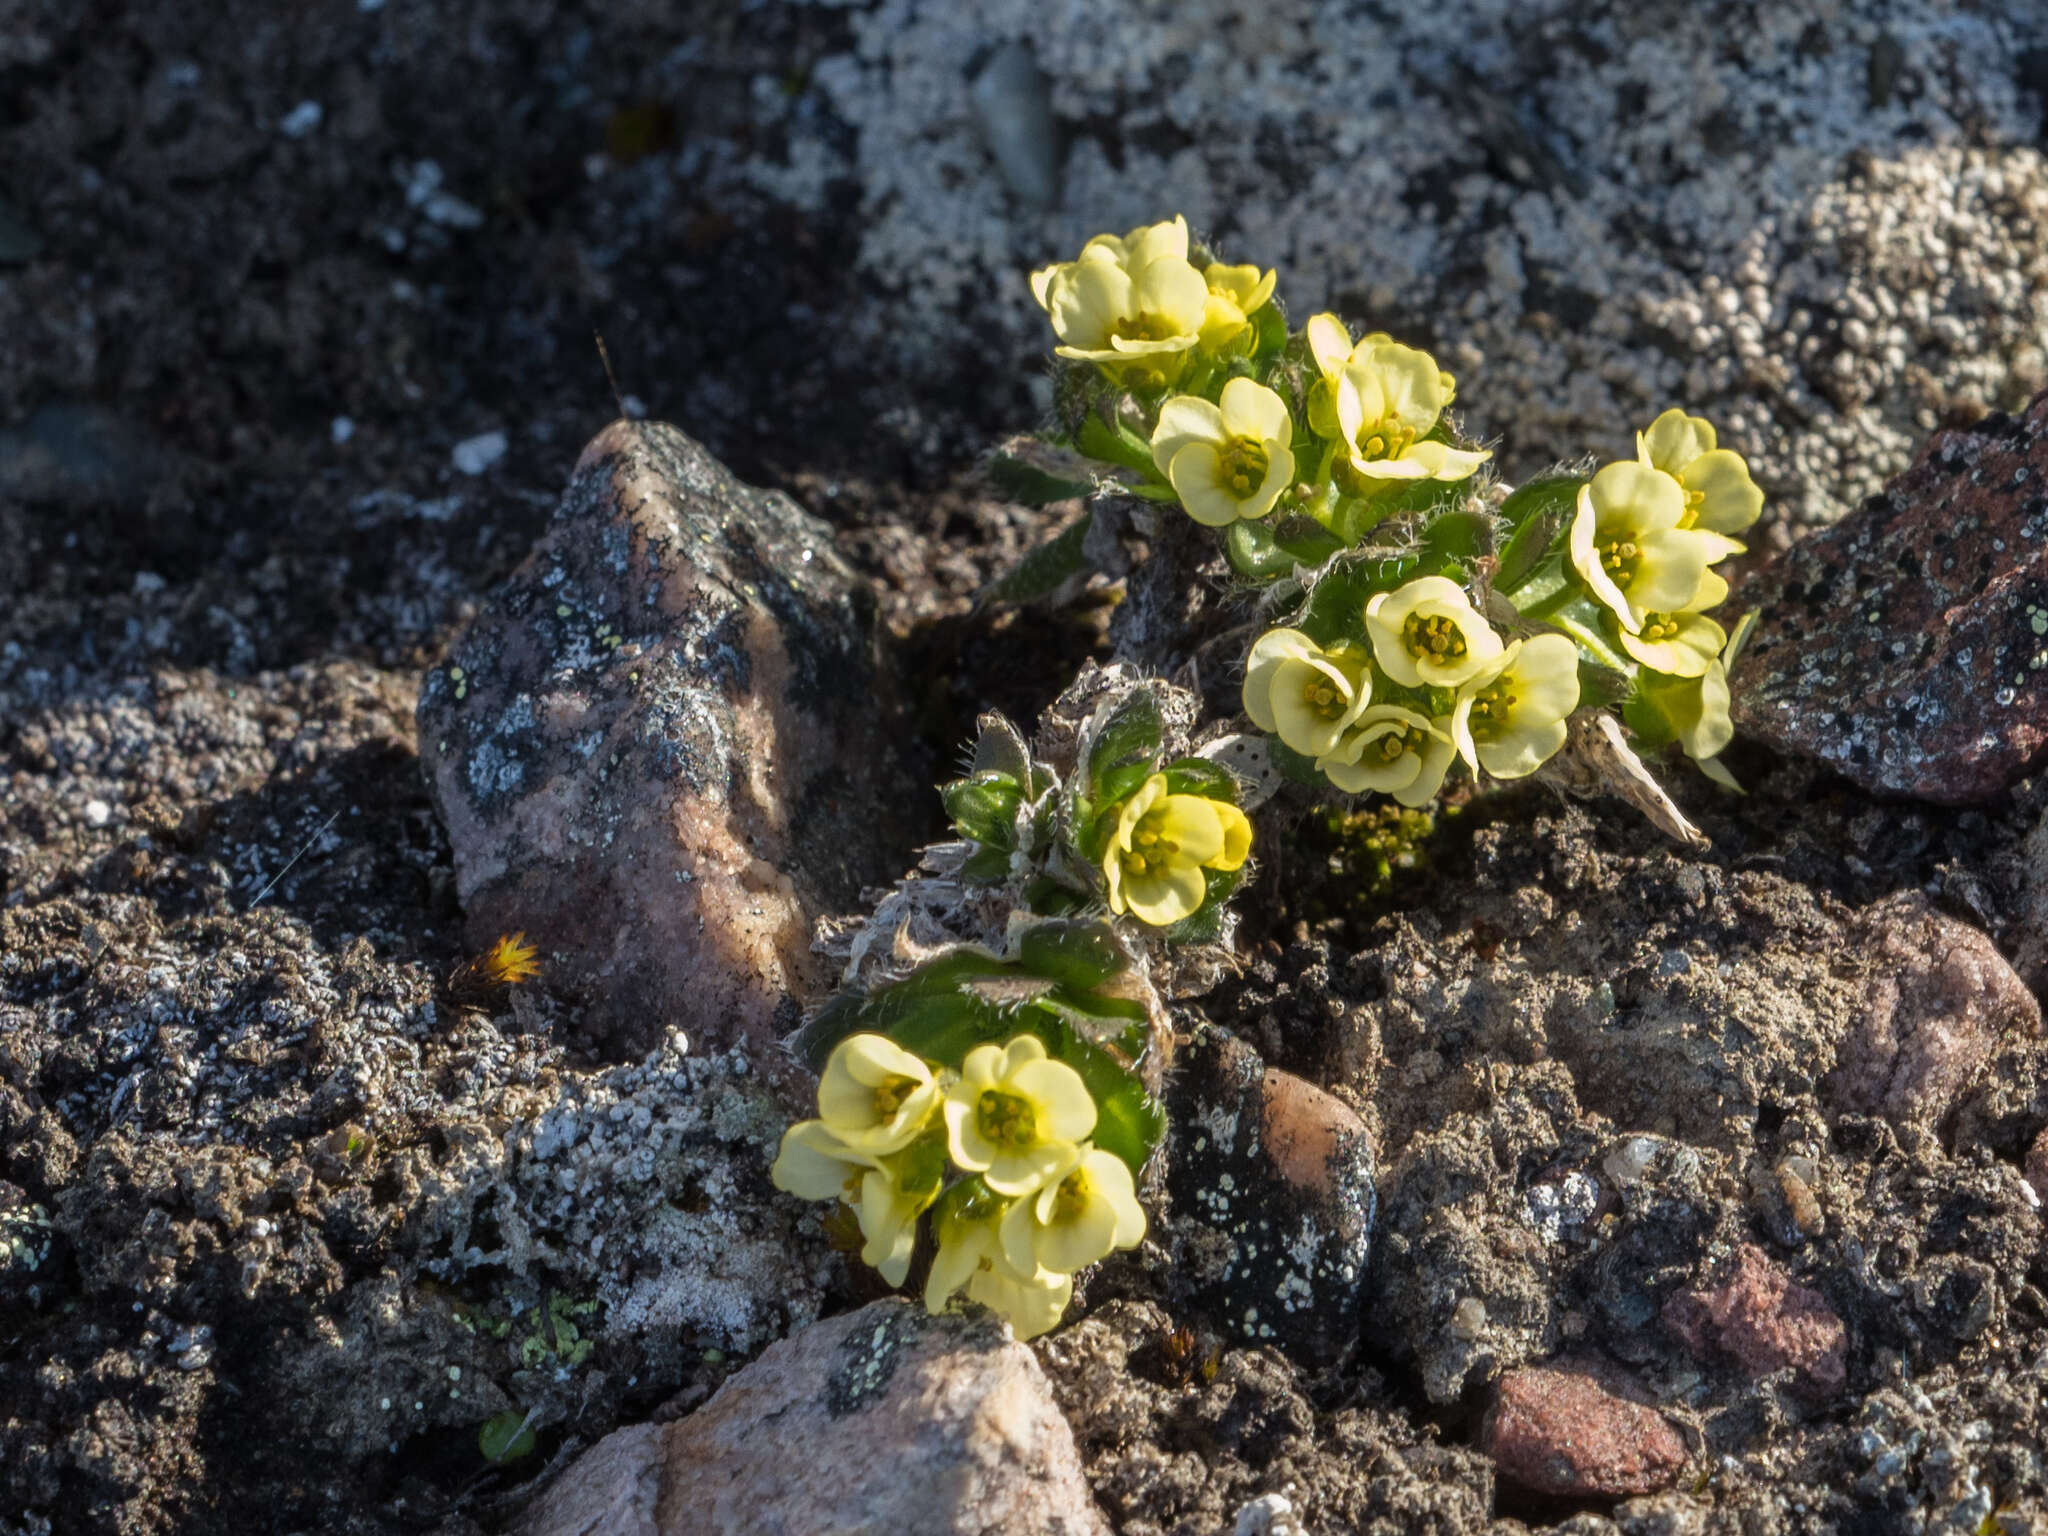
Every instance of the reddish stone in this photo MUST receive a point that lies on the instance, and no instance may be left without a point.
(1560, 1430)
(1760, 1318)
(1940, 997)
(1907, 646)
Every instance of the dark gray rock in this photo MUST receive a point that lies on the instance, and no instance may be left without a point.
(1907, 646)
(1274, 1195)
(667, 744)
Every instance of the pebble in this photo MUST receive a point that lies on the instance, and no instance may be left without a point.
(473, 455)
(1564, 1430)
(1761, 1319)
(301, 120)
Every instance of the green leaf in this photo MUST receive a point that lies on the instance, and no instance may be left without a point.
(1117, 444)
(1456, 540)
(986, 866)
(1292, 764)
(1336, 607)
(505, 1437)
(984, 808)
(1121, 783)
(1128, 738)
(1601, 686)
(1205, 924)
(1532, 542)
(1541, 497)
(1269, 332)
(1199, 776)
(999, 747)
(1042, 571)
(1253, 551)
(1032, 485)
(1583, 619)
(1079, 954)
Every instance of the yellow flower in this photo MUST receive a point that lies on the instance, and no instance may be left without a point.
(1511, 717)
(1695, 709)
(1133, 306)
(1380, 400)
(1089, 1208)
(1014, 1115)
(1140, 248)
(1303, 693)
(813, 1164)
(1427, 634)
(1394, 751)
(1683, 644)
(1161, 844)
(1228, 460)
(970, 1254)
(1235, 295)
(1719, 495)
(1030, 1307)
(1628, 548)
(891, 1199)
(1329, 343)
(875, 1096)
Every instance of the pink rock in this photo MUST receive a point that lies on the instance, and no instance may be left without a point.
(878, 1420)
(1899, 646)
(1940, 996)
(1560, 1430)
(1764, 1321)
(665, 746)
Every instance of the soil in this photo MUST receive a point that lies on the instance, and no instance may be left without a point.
(291, 1202)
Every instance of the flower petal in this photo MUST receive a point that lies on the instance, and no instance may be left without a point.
(1675, 439)
(1162, 898)
(1249, 409)
(1329, 343)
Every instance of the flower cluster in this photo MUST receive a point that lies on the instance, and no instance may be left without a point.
(1031, 1198)
(1436, 682)
(1438, 618)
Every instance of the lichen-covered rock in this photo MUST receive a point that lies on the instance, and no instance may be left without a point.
(1274, 1196)
(1564, 1430)
(665, 746)
(1939, 998)
(1826, 239)
(1758, 1316)
(1907, 646)
(883, 1419)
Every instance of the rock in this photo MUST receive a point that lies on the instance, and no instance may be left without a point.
(882, 1420)
(2037, 1166)
(1907, 646)
(1939, 997)
(665, 745)
(1826, 278)
(1764, 1321)
(1274, 1196)
(1562, 1430)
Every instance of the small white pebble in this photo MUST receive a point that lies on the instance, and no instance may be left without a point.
(98, 813)
(455, 1373)
(341, 429)
(301, 120)
(148, 583)
(474, 455)
(385, 1404)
